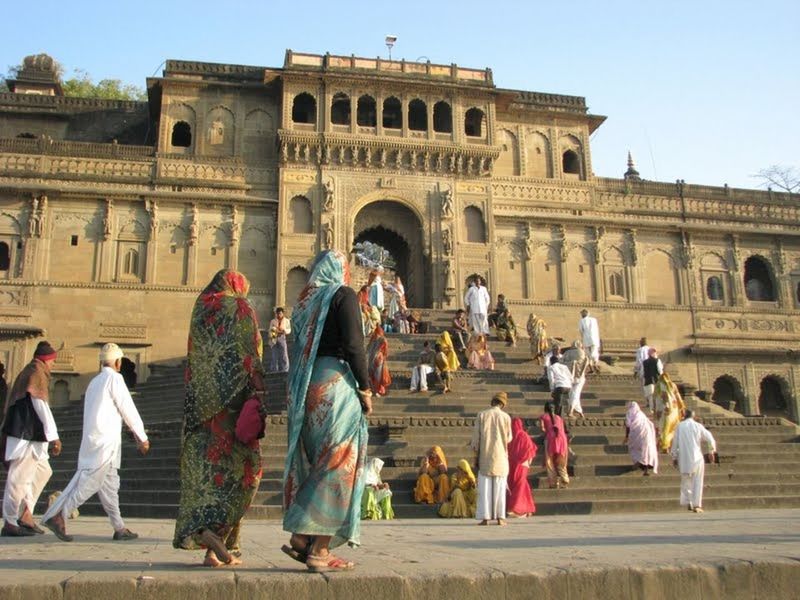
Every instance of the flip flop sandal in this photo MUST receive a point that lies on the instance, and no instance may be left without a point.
(323, 564)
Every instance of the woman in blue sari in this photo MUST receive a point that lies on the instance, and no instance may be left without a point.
(329, 399)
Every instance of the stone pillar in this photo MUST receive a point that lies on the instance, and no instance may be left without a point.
(152, 243)
(106, 248)
(191, 250)
(737, 285)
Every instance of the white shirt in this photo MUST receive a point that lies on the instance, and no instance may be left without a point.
(559, 376)
(285, 324)
(641, 355)
(15, 447)
(478, 300)
(590, 331)
(108, 402)
(687, 445)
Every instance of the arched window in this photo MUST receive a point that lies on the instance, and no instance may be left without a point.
(296, 280)
(182, 135)
(340, 109)
(5, 257)
(570, 163)
(367, 115)
(442, 117)
(473, 122)
(797, 292)
(758, 280)
(304, 108)
(616, 284)
(714, 289)
(417, 115)
(301, 215)
(474, 225)
(130, 265)
(392, 113)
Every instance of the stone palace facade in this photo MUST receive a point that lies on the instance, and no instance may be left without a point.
(114, 215)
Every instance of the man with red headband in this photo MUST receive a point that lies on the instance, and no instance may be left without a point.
(28, 429)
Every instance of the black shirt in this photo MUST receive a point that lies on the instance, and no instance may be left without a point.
(343, 336)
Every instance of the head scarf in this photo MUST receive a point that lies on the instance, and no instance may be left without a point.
(224, 349)
(33, 379)
(372, 472)
(521, 447)
(634, 410)
(439, 455)
(463, 464)
(329, 272)
(445, 342)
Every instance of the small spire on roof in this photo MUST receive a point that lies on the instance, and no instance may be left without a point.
(631, 174)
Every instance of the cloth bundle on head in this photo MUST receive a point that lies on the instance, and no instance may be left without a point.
(500, 397)
(44, 351)
(110, 352)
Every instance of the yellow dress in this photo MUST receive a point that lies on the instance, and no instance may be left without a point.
(447, 347)
(463, 497)
(433, 486)
(673, 409)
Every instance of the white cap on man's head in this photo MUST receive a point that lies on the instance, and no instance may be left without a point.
(110, 352)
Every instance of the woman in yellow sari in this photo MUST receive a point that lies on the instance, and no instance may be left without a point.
(670, 404)
(463, 495)
(449, 351)
(433, 485)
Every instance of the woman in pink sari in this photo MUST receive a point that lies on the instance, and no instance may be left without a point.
(640, 437)
(521, 452)
(556, 447)
(377, 355)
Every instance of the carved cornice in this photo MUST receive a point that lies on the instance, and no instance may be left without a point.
(98, 285)
(41, 101)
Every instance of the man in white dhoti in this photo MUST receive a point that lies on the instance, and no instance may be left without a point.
(424, 366)
(107, 404)
(376, 289)
(29, 429)
(590, 336)
(490, 440)
(687, 455)
(477, 300)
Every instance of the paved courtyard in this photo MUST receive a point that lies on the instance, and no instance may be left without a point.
(730, 554)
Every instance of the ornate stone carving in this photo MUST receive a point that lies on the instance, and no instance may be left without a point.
(327, 235)
(736, 257)
(447, 242)
(152, 210)
(328, 191)
(235, 227)
(107, 217)
(687, 250)
(526, 247)
(115, 331)
(632, 244)
(447, 202)
(194, 226)
(36, 216)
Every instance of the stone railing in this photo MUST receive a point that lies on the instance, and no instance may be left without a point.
(37, 100)
(51, 147)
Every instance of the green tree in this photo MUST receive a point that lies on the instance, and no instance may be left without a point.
(82, 86)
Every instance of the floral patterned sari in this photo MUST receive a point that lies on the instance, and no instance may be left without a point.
(219, 474)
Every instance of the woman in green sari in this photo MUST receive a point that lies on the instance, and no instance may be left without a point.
(220, 473)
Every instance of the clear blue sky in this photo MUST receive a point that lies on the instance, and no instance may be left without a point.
(703, 90)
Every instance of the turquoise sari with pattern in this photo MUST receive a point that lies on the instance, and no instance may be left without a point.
(327, 437)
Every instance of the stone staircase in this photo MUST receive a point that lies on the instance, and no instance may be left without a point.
(759, 456)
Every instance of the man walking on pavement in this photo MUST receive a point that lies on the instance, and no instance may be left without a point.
(108, 403)
(687, 455)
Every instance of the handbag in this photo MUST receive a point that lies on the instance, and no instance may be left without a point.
(250, 424)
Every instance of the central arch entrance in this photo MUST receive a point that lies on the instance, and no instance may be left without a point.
(398, 230)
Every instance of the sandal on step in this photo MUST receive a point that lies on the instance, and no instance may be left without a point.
(329, 562)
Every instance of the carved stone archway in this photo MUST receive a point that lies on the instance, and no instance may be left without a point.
(398, 229)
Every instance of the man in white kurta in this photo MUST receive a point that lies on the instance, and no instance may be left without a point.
(107, 404)
(687, 455)
(641, 356)
(490, 440)
(477, 300)
(590, 336)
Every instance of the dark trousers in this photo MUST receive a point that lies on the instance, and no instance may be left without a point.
(561, 400)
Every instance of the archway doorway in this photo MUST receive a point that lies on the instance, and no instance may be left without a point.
(773, 400)
(397, 229)
(728, 393)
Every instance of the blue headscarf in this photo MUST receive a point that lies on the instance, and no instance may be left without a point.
(329, 272)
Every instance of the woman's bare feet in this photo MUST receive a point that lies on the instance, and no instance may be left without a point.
(211, 559)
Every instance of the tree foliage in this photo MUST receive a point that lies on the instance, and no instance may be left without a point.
(783, 177)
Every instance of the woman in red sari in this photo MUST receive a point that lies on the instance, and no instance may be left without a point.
(377, 355)
(521, 452)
